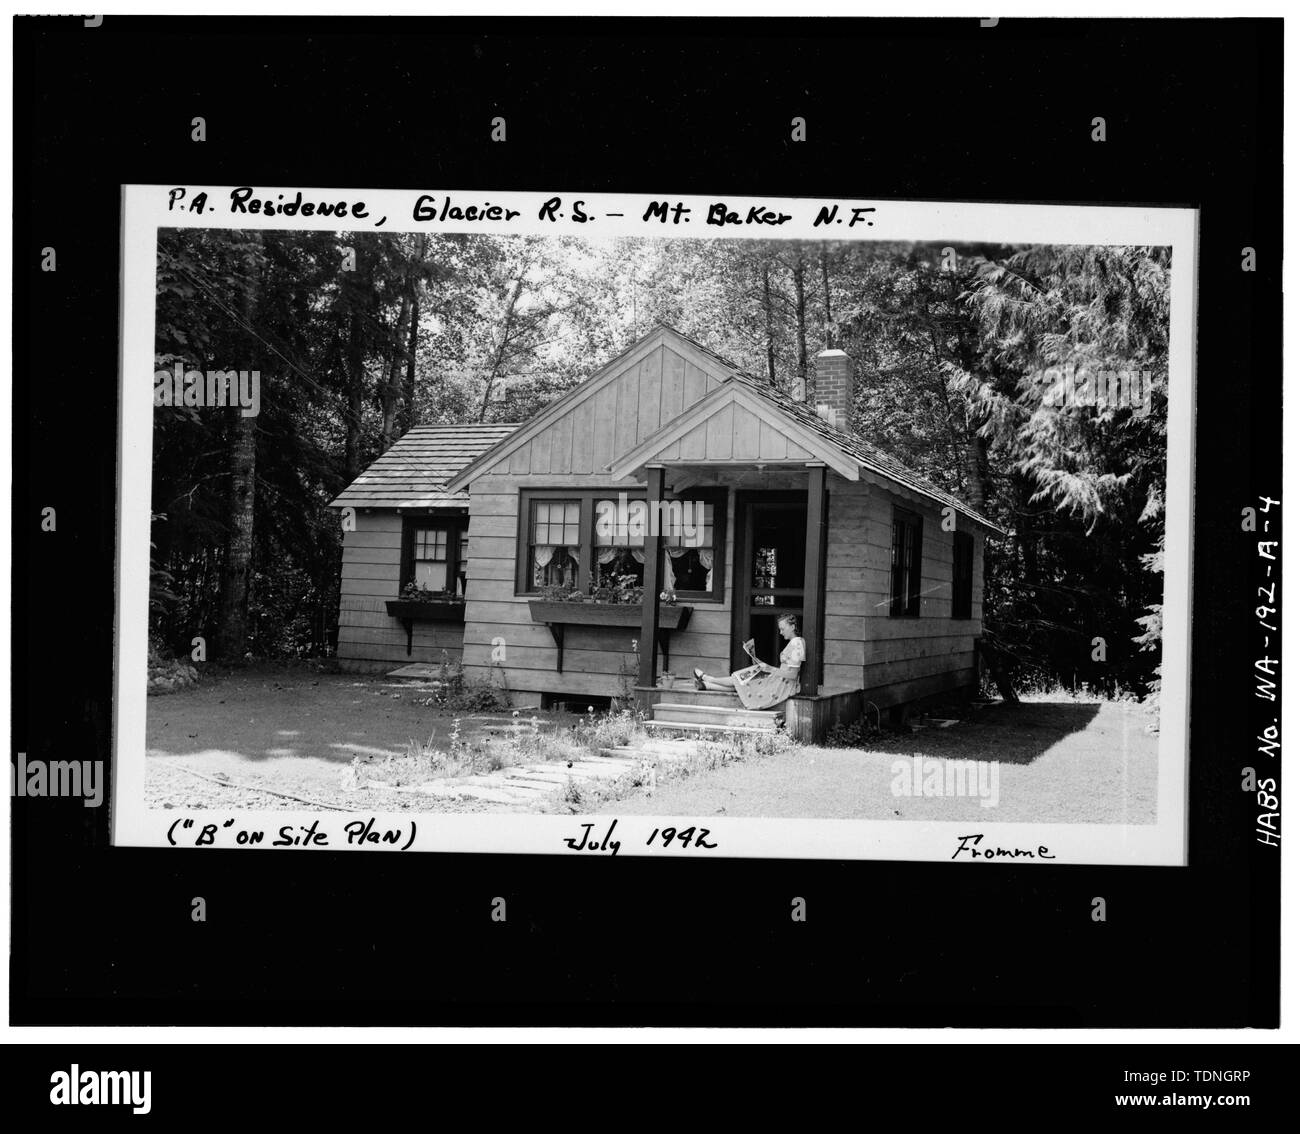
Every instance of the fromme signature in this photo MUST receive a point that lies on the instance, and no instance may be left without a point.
(969, 844)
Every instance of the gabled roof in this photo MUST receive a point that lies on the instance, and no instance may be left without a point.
(868, 456)
(415, 471)
(707, 360)
(736, 394)
(844, 452)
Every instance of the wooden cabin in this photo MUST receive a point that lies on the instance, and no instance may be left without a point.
(725, 501)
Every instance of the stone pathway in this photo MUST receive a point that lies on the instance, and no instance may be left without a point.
(540, 785)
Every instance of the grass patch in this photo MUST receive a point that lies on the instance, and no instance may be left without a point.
(529, 741)
(711, 754)
(532, 744)
(427, 760)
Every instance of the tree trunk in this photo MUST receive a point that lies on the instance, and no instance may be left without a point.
(232, 626)
(977, 471)
(410, 414)
(826, 300)
(993, 660)
(498, 359)
(979, 488)
(1027, 537)
(388, 399)
(356, 397)
(767, 320)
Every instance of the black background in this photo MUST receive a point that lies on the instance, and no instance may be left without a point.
(895, 109)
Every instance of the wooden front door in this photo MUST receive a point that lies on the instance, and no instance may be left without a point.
(771, 534)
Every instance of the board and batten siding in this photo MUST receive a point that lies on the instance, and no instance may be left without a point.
(369, 639)
(619, 415)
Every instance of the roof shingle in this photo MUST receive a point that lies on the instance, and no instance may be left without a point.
(413, 473)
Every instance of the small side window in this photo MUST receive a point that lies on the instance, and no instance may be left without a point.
(905, 565)
(963, 573)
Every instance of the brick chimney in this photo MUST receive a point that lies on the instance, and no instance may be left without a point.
(833, 387)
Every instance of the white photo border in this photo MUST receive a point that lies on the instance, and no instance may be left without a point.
(148, 208)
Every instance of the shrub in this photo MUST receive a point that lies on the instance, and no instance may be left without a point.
(168, 674)
(532, 745)
(614, 729)
(574, 795)
(480, 696)
(852, 734)
(459, 693)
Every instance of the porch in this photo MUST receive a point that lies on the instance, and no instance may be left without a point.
(776, 469)
(806, 718)
(778, 565)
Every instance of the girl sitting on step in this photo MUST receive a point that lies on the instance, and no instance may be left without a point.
(760, 686)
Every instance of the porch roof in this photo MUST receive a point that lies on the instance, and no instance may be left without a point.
(804, 438)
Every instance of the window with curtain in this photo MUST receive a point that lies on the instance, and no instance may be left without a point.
(554, 544)
(689, 547)
(905, 565)
(618, 541)
(584, 540)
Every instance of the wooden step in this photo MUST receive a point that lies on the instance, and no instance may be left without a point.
(690, 729)
(710, 714)
(680, 696)
(666, 754)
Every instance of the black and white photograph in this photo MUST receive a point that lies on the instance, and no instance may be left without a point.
(695, 526)
(727, 533)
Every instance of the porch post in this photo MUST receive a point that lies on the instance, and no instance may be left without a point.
(814, 580)
(648, 642)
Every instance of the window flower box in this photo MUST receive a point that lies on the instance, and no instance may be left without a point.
(558, 615)
(410, 611)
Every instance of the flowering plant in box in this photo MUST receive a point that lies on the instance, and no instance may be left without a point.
(418, 592)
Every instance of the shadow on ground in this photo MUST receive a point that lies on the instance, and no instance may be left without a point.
(1008, 733)
(1055, 762)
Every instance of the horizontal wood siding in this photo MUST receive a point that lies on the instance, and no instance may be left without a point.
(864, 646)
(845, 619)
(496, 618)
(369, 639)
(904, 658)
